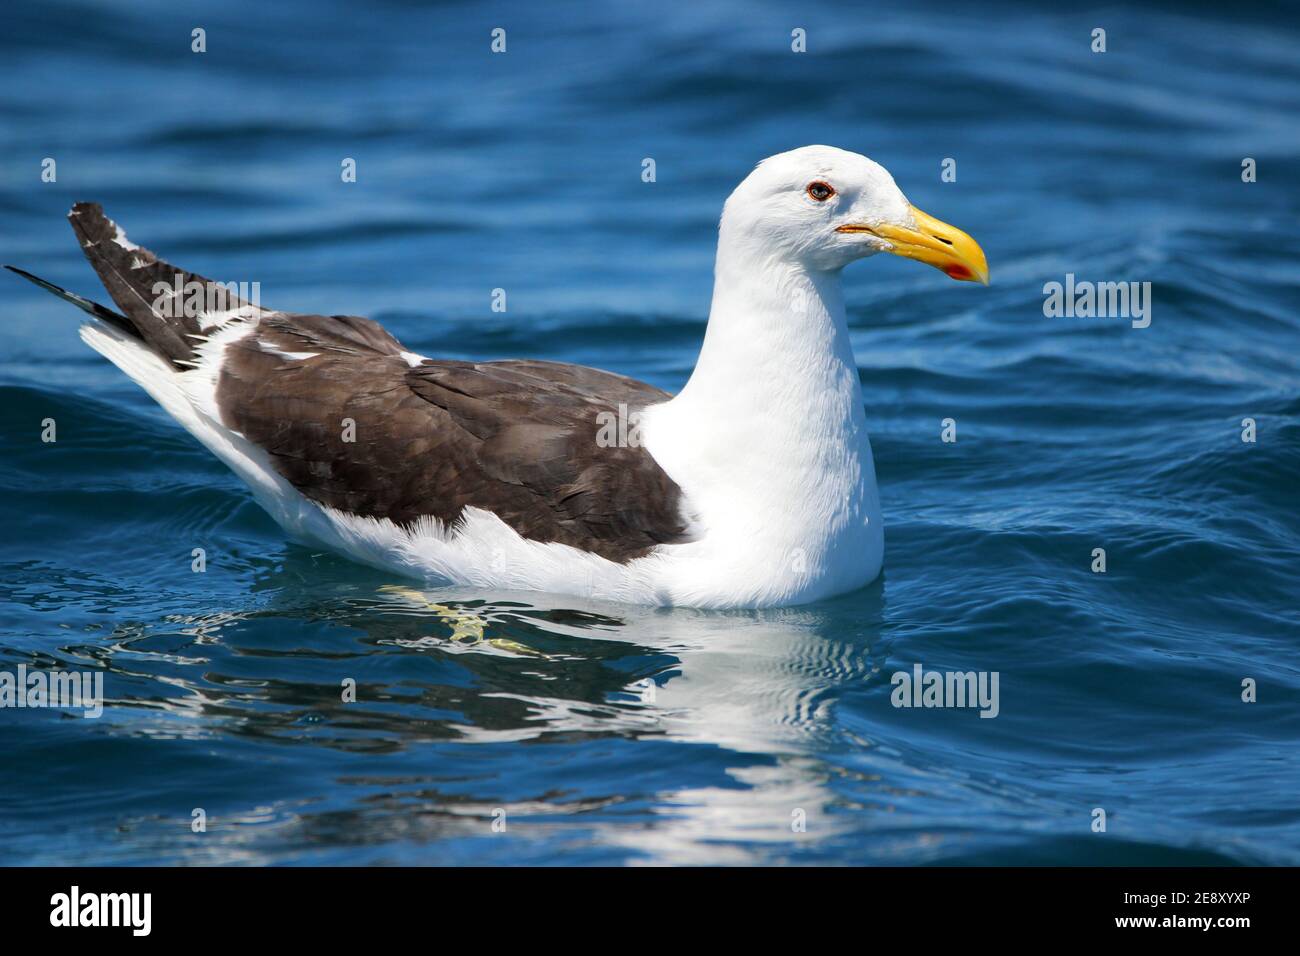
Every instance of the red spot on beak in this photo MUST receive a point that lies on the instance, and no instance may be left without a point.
(958, 272)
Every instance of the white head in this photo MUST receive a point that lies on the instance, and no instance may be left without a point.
(822, 208)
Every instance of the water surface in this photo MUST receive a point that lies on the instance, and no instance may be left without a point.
(621, 735)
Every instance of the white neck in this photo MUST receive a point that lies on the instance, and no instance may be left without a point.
(768, 438)
(777, 336)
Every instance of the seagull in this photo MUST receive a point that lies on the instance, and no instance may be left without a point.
(753, 487)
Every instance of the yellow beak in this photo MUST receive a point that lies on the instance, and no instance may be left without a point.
(945, 247)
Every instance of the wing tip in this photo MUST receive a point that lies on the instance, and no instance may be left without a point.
(23, 272)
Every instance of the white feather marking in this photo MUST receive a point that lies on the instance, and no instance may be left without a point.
(219, 319)
(412, 359)
(121, 239)
(292, 356)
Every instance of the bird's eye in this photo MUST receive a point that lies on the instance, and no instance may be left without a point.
(820, 191)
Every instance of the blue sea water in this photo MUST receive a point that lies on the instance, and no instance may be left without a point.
(602, 734)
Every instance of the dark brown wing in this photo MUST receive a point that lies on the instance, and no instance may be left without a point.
(535, 443)
(356, 428)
